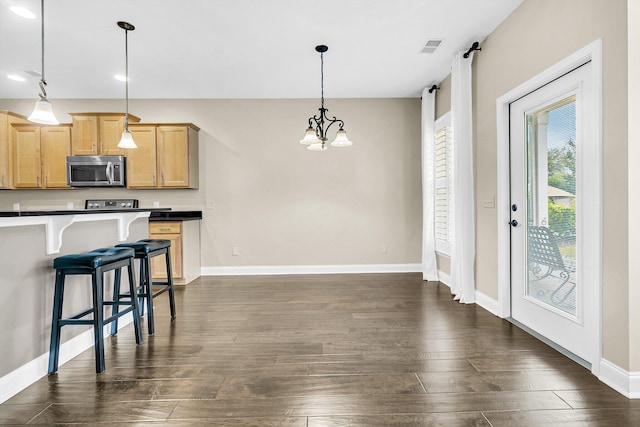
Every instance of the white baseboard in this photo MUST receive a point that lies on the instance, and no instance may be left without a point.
(488, 303)
(27, 374)
(444, 278)
(622, 381)
(310, 269)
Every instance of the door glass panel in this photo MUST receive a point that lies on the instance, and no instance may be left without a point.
(551, 205)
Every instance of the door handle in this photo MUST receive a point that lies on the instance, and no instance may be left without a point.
(109, 172)
(513, 223)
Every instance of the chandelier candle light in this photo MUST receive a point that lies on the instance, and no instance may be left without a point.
(43, 111)
(127, 140)
(315, 138)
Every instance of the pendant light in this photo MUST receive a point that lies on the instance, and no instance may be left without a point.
(43, 111)
(127, 139)
(316, 137)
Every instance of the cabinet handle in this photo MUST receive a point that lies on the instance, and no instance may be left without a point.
(101, 148)
(44, 181)
(162, 178)
(154, 180)
(37, 181)
(3, 180)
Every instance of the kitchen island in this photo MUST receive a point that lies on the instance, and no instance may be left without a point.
(29, 242)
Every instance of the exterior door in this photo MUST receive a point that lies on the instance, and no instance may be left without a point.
(552, 291)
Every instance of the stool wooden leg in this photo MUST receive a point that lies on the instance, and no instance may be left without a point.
(148, 290)
(116, 299)
(172, 299)
(54, 346)
(98, 318)
(135, 302)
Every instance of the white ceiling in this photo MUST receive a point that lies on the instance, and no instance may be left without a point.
(240, 48)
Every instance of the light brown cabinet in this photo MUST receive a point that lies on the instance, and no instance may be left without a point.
(7, 118)
(98, 133)
(167, 230)
(141, 161)
(166, 157)
(39, 155)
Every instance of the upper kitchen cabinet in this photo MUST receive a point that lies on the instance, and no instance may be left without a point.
(166, 157)
(98, 134)
(177, 155)
(39, 155)
(141, 162)
(6, 120)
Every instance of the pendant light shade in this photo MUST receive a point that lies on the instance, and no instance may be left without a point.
(341, 139)
(317, 147)
(127, 139)
(310, 137)
(43, 111)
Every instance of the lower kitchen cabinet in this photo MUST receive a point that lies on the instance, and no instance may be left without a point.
(185, 250)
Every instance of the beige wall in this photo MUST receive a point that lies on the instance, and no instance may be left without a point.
(277, 202)
(537, 35)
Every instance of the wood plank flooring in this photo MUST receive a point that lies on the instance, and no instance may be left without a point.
(325, 350)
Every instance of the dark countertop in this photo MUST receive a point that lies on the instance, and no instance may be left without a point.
(156, 214)
(169, 215)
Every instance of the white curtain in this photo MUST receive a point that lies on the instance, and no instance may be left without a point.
(429, 268)
(463, 245)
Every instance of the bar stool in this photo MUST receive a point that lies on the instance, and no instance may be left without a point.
(94, 263)
(146, 249)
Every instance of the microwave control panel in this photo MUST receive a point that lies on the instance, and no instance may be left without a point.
(111, 204)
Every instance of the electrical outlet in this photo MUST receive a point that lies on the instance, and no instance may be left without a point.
(235, 251)
(210, 204)
(383, 249)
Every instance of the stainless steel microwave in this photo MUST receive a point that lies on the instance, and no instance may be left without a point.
(96, 171)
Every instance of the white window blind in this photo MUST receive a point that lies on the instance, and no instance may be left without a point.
(444, 184)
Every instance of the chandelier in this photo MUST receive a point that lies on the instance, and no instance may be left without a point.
(315, 138)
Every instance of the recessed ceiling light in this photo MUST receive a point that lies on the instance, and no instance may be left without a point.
(21, 11)
(120, 78)
(16, 77)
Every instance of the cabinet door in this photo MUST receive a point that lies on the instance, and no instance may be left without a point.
(6, 153)
(111, 128)
(141, 161)
(25, 143)
(55, 146)
(158, 264)
(173, 156)
(84, 137)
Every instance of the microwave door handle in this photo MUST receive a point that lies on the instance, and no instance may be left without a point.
(110, 172)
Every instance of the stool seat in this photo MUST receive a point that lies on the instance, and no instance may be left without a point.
(145, 246)
(93, 259)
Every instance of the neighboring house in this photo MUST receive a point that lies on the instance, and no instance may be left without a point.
(561, 197)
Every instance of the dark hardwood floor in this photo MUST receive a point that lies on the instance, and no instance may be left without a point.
(326, 350)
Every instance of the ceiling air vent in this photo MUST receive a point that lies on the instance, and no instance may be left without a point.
(431, 45)
(33, 73)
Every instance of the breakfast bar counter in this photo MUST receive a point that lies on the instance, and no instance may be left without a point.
(29, 242)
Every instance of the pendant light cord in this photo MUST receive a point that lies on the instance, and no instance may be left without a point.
(322, 78)
(126, 72)
(43, 82)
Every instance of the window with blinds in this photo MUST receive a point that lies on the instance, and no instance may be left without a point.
(444, 184)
